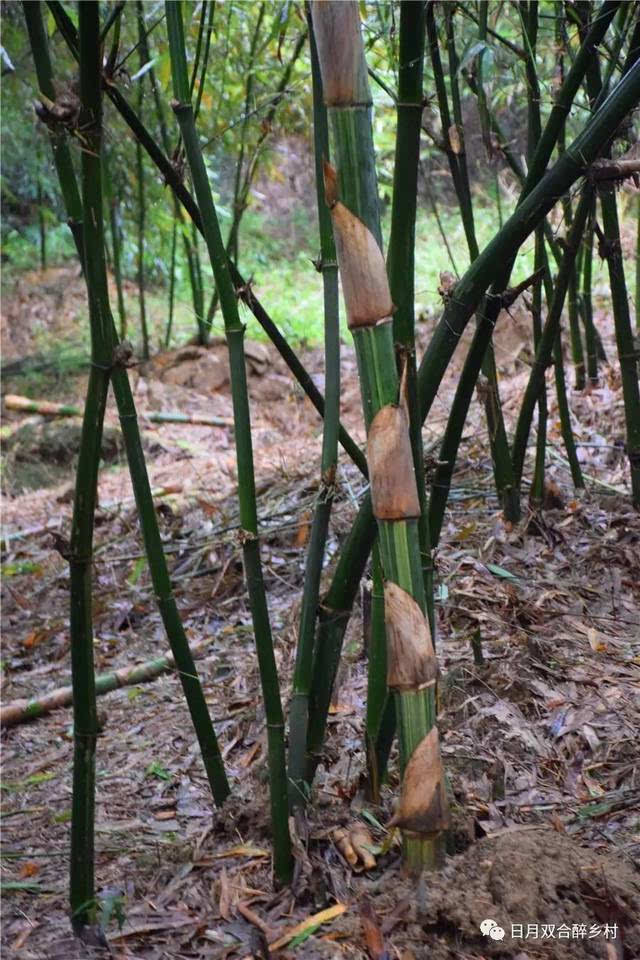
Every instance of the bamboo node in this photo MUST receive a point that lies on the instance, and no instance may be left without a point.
(122, 354)
(246, 536)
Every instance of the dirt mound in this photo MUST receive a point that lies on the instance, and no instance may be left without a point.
(538, 882)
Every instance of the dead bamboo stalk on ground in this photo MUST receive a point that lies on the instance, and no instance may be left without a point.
(49, 409)
(20, 711)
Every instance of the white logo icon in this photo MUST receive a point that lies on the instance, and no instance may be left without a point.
(490, 928)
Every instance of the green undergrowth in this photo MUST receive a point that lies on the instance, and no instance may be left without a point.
(277, 256)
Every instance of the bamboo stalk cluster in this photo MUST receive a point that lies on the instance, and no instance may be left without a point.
(395, 520)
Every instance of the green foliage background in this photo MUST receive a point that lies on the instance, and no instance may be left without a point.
(278, 237)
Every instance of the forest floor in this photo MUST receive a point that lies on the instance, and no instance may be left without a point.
(539, 742)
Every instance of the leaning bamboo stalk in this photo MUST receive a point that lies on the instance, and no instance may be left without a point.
(183, 110)
(243, 288)
(351, 194)
(21, 711)
(538, 196)
(328, 266)
(49, 409)
(172, 623)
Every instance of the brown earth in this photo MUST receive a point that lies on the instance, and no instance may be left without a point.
(539, 742)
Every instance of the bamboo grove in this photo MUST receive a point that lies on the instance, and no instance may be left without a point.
(400, 519)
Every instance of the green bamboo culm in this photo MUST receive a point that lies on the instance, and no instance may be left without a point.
(183, 110)
(529, 18)
(401, 252)
(328, 266)
(352, 196)
(85, 719)
(503, 475)
(183, 658)
(334, 614)
(380, 721)
(115, 225)
(549, 332)
(612, 250)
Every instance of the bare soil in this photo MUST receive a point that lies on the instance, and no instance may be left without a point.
(539, 742)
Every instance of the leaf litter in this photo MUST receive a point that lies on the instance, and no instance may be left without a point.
(539, 740)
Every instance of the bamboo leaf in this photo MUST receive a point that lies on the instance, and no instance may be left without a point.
(500, 572)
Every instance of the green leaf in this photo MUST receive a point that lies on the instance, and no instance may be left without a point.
(303, 936)
(30, 886)
(138, 567)
(500, 572)
(471, 52)
(157, 770)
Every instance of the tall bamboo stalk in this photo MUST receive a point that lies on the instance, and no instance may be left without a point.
(234, 328)
(611, 247)
(549, 332)
(457, 313)
(401, 253)
(456, 155)
(104, 337)
(115, 224)
(328, 266)
(529, 18)
(82, 889)
(380, 721)
(190, 253)
(141, 211)
(586, 306)
(352, 197)
(172, 278)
